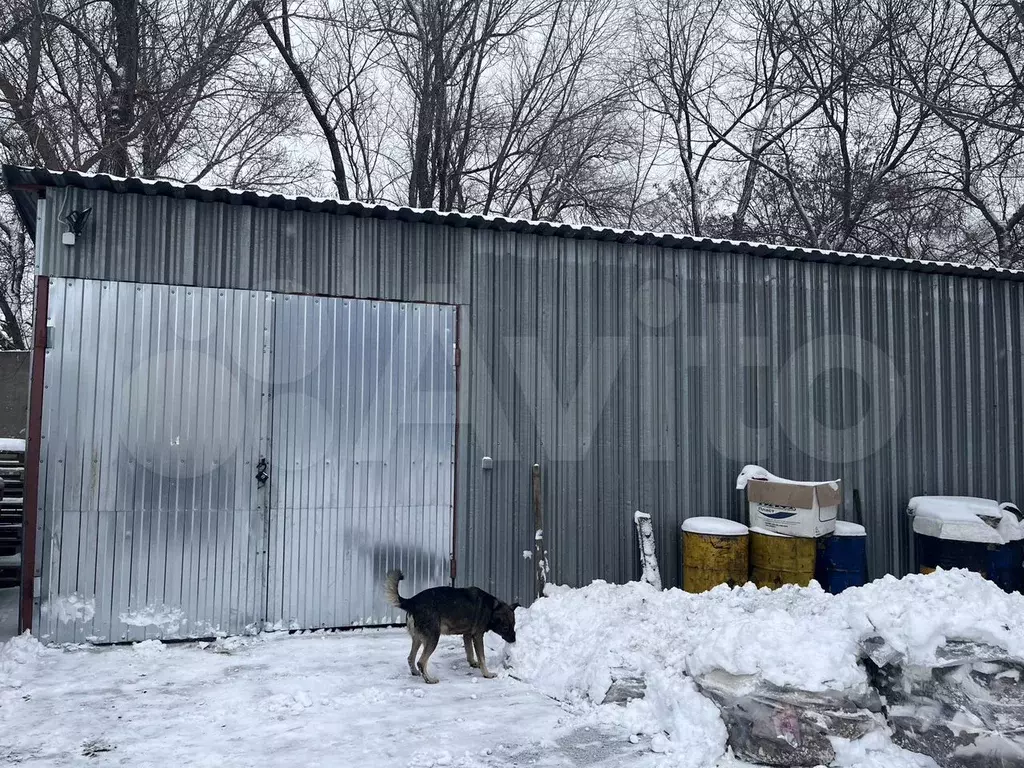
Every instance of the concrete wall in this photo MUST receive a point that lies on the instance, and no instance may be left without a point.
(14, 370)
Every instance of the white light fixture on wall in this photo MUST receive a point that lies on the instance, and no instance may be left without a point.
(75, 222)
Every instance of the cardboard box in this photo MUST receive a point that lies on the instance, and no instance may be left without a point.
(794, 509)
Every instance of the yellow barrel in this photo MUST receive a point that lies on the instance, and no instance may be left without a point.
(776, 559)
(715, 551)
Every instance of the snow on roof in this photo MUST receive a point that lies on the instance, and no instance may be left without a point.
(23, 181)
(714, 526)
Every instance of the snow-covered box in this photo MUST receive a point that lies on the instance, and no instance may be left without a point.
(790, 507)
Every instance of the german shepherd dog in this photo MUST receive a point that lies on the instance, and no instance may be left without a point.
(469, 612)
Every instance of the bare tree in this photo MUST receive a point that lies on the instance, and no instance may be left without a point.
(15, 282)
(129, 87)
(963, 60)
(554, 128)
(176, 89)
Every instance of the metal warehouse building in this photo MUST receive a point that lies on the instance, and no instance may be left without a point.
(247, 407)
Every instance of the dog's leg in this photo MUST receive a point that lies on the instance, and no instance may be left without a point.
(429, 644)
(478, 643)
(412, 655)
(467, 640)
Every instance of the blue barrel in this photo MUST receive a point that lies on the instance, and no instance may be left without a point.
(975, 542)
(947, 554)
(1004, 565)
(843, 558)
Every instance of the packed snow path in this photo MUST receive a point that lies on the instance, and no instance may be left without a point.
(278, 700)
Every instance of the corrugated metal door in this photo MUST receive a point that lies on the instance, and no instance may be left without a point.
(362, 474)
(154, 417)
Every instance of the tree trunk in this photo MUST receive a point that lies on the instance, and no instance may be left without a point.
(120, 111)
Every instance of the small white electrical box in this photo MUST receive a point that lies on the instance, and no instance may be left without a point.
(486, 462)
(68, 238)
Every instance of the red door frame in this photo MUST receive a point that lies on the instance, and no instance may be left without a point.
(30, 518)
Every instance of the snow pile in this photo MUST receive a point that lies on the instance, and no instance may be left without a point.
(17, 657)
(917, 614)
(574, 643)
(18, 650)
(569, 642)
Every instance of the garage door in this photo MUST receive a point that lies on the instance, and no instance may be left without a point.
(223, 461)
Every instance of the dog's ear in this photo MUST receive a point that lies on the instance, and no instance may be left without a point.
(496, 604)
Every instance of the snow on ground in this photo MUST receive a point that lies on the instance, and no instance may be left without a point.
(348, 699)
(344, 698)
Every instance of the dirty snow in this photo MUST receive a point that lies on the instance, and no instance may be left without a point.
(281, 700)
(12, 445)
(73, 607)
(574, 643)
(347, 698)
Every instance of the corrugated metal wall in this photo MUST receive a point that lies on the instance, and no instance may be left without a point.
(160, 403)
(363, 457)
(154, 417)
(638, 377)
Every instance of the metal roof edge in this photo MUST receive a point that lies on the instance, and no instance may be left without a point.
(23, 182)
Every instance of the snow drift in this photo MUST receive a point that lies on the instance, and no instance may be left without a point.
(576, 643)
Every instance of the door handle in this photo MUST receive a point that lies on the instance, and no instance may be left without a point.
(261, 472)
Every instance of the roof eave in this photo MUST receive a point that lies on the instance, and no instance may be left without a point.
(25, 197)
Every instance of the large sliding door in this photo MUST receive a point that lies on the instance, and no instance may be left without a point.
(218, 461)
(363, 447)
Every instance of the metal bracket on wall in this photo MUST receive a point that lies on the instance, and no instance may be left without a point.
(261, 472)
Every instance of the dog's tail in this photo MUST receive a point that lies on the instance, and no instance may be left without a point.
(391, 588)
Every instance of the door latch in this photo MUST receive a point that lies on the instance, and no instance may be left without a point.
(261, 472)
